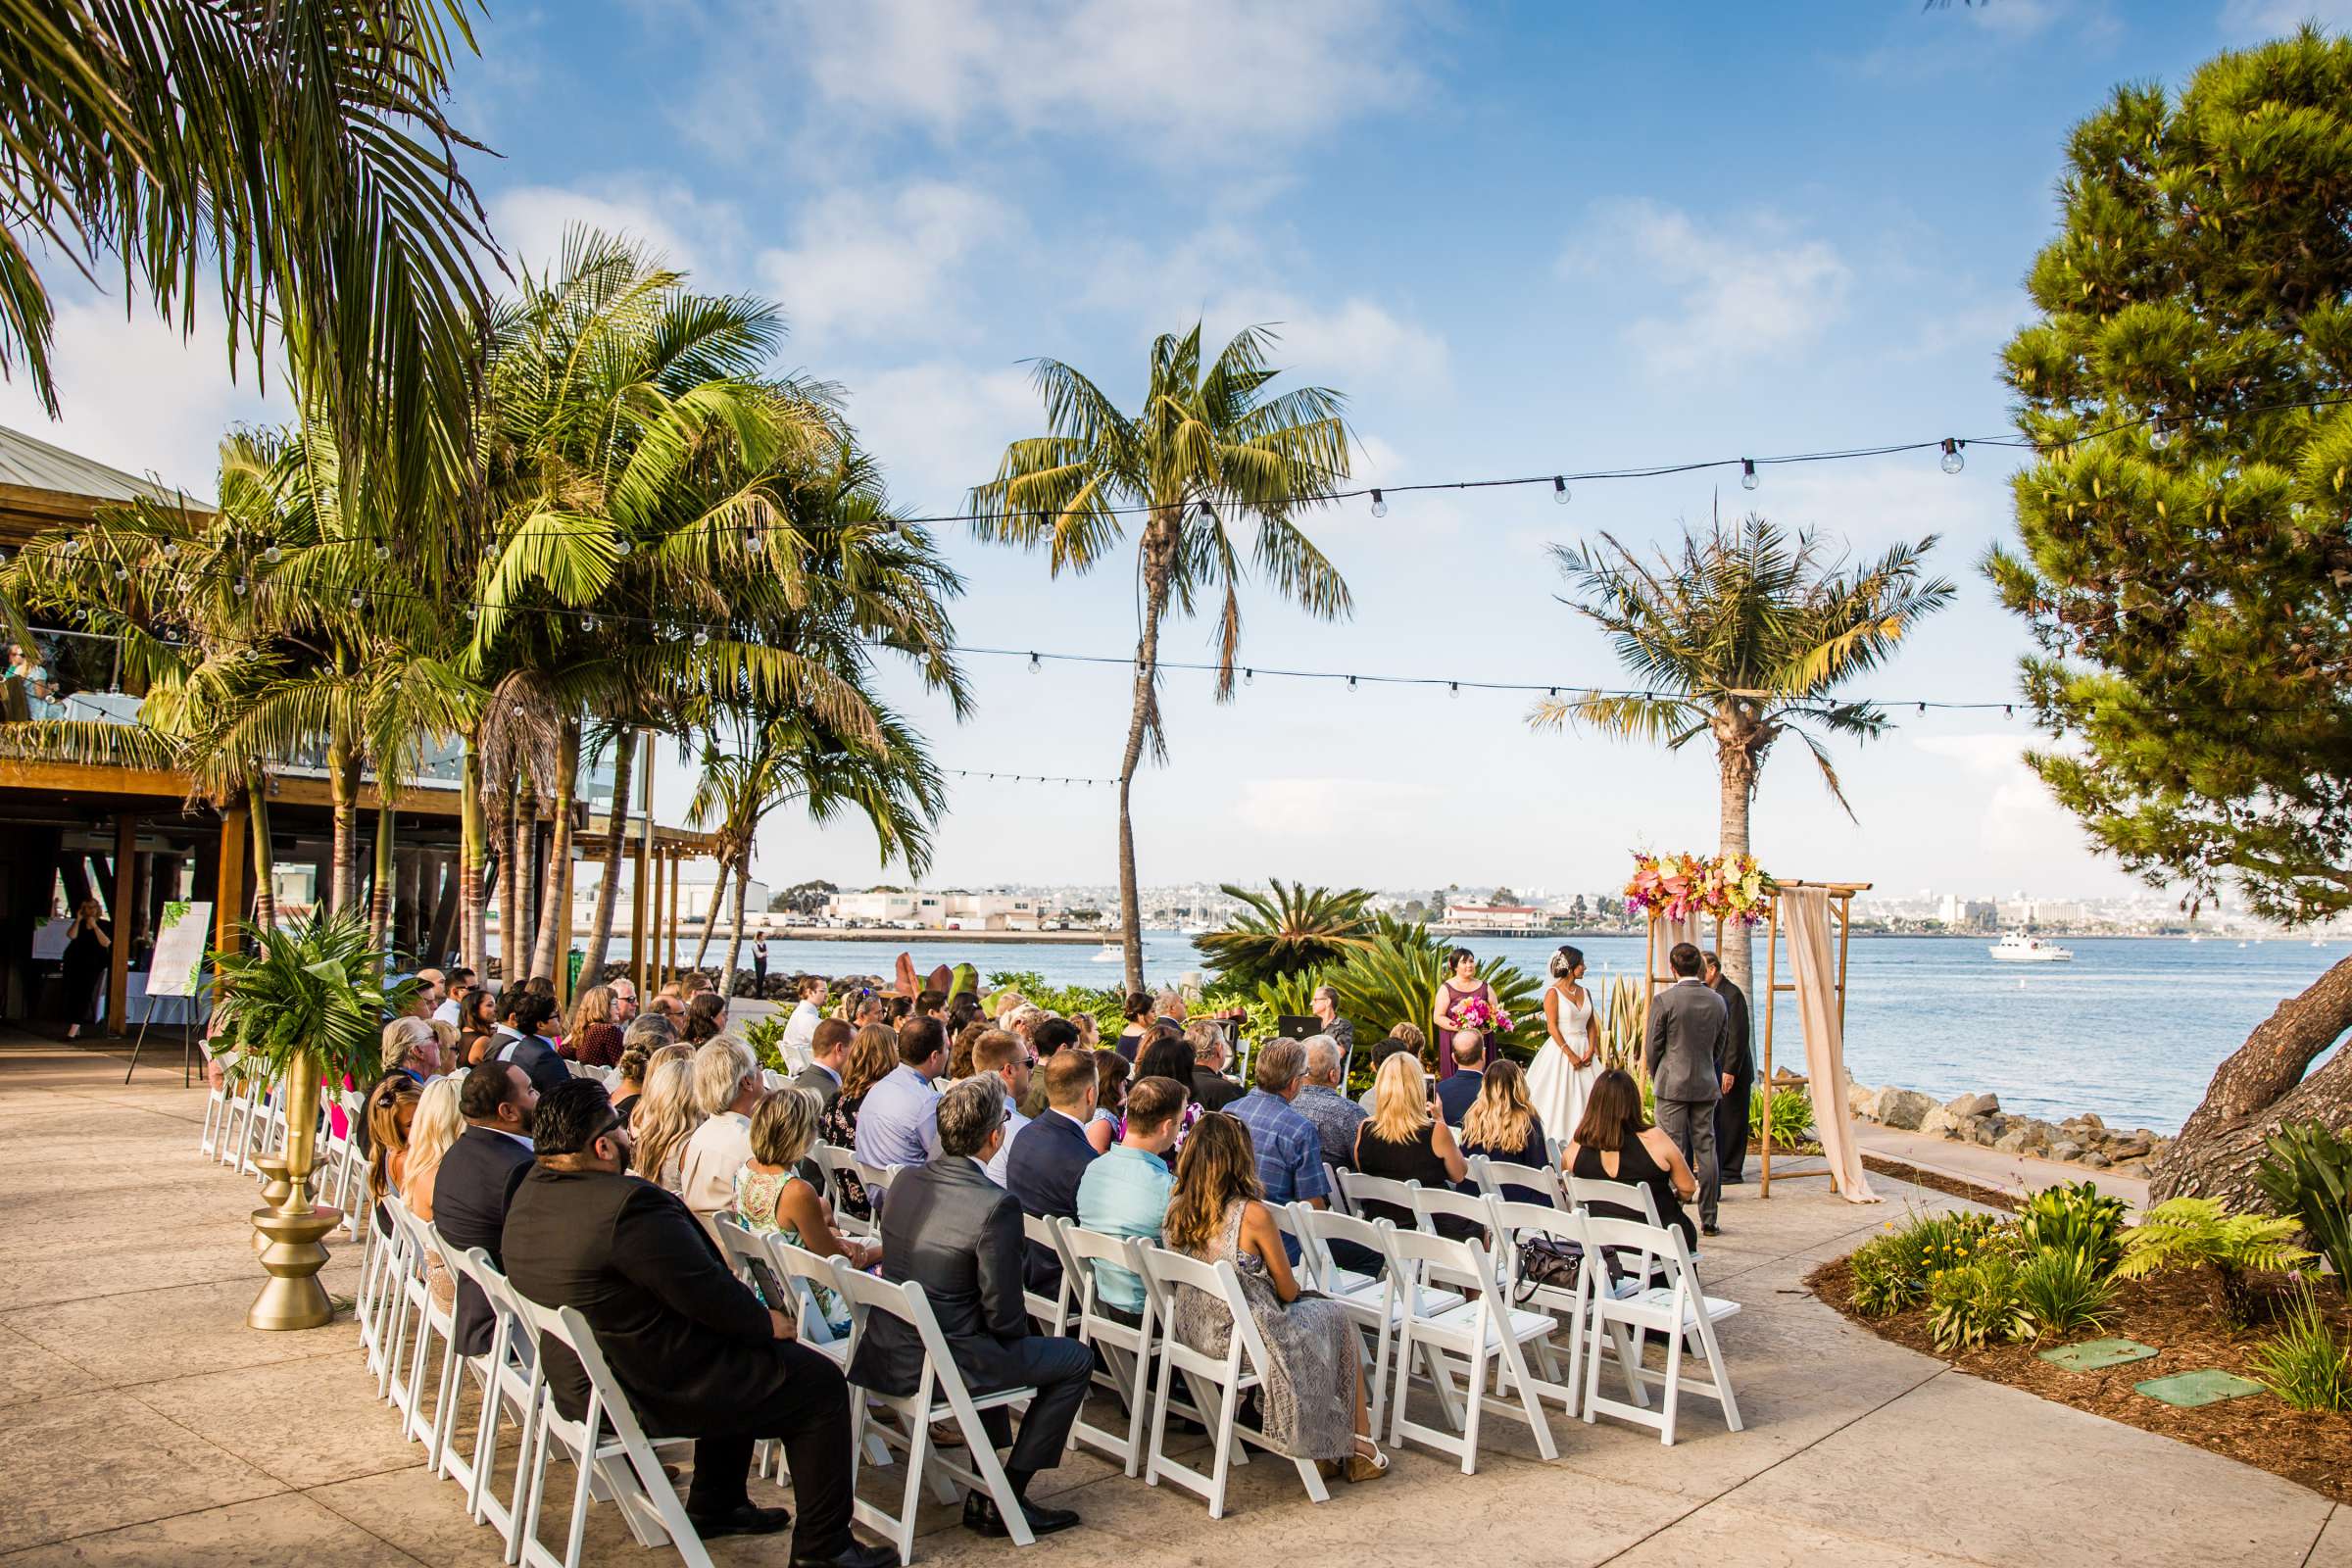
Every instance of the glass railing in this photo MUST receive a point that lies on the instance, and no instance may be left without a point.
(78, 676)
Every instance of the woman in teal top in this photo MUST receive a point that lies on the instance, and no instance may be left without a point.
(774, 1198)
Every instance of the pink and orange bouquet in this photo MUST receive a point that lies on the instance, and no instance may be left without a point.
(1484, 1016)
(1684, 886)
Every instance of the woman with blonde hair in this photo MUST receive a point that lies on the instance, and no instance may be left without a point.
(1405, 1140)
(391, 1114)
(665, 1117)
(1501, 1124)
(774, 1198)
(437, 1124)
(1218, 1214)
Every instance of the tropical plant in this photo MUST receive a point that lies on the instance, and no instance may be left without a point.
(2181, 552)
(2309, 1176)
(1792, 1117)
(1209, 451)
(1392, 978)
(1976, 1304)
(2074, 1217)
(2061, 1291)
(2199, 1233)
(1882, 1285)
(765, 1037)
(308, 986)
(1743, 637)
(2305, 1364)
(1624, 1023)
(1286, 931)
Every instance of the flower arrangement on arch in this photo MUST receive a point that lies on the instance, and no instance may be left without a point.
(1683, 886)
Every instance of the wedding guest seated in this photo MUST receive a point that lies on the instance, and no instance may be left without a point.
(636, 1060)
(873, 1056)
(1125, 1193)
(1167, 1054)
(1289, 1151)
(1217, 1214)
(705, 1018)
(1138, 1015)
(1169, 1007)
(594, 1039)
(964, 1042)
(1501, 1124)
(774, 1195)
(1405, 1036)
(897, 1125)
(1108, 1124)
(1456, 1094)
(956, 1234)
(1049, 1038)
(1052, 1154)
(999, 1054)
(1404, 1140)
(694, 1352)
(828, 1051)
(438, 1124)
(728, 1089)
(807, 1013)
(478, 1037)
(1323, 1103)
(391, 1112)
(477, 1177)
(413, 1049)
(1211, 1087)
(665, 1118)
(1615, 1143)
(523, 1014)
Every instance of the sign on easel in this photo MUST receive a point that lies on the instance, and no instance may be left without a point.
(179, 948)
(49, 935)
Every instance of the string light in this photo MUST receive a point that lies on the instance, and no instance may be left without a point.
(702, 636)
(1953, 461)
(2160, 435)
(1036, 665)
(273, 554)
(1559, 489)
(383, 552)
(240, 587)
(1249, 677)
(1380, 504)
(1747, 475)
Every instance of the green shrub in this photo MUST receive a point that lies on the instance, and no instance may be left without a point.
(1894, 1270)
(2074, 1217)
(1791, 1115)
(1393, 976)
(2306, 1365)
(1976, 1304)
(2061, 1291)
(765, 1037)
(1883, 1286)
(2199, 1233)
(2309, 1176)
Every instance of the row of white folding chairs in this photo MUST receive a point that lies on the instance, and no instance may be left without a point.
(242, 1122)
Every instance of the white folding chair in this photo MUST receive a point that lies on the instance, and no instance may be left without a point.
(431, 1318)
(1494, 1175)
(1241, 1367)
(840, 1168)
(1054, 1313)
(1586, 1190)
(877, 1180)
(244, 1109)
(1373, 1303)
(606, 1446)
(505, 1375)
(1124, 1348)
(391, 1306)
(1489, 1337)
(1678, 1309)
(1522, 1227)
(939, 1393)
(1330, 1184)
(217, 1101)
(1362, 1190)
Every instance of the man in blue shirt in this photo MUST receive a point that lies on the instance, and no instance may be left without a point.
(1289, 1151)
(1125, 1193)
(898, 1123)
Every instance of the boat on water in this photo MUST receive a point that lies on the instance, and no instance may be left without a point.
(1109, 954)
(2018, 948)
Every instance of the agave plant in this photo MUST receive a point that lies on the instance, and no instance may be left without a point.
(2198, 1232)
(308, 986)
(1623, 1022)
(1288, 931)
(2309, 1176)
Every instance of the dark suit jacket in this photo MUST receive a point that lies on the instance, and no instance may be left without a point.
(827, 1087)
(1457, 1093)
(1687, 1046)
(538, 1061)
(1041, 1172)
(689, 1342)
(1734, 1003)
(1213, 1090)
(471, 1194)
(956, 1234)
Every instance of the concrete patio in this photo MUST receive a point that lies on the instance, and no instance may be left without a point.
(148, 1425)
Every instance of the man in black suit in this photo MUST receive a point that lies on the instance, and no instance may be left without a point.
(478, 1177)
(1050, 1153)
(828, 1051)
(952, 1231)
(1211, 1053)
(694, 1352)
(1455, 1095)
(1730, 1112)
(521, 1014)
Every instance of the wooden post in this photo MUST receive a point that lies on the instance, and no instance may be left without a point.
(117, 956)
(639, 912)
(678, 855)
(1771, 991)
(562, 916)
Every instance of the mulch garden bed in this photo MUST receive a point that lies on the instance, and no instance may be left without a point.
(2176, 1313)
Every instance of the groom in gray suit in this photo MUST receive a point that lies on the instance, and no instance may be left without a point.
(1688, 1050)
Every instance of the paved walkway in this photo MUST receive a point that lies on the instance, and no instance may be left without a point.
(147, 1425)
(1989, 1167)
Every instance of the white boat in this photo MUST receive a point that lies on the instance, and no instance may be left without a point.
(1110, 954)
(2018, 948)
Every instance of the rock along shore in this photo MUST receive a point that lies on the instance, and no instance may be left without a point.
(1979, 1119)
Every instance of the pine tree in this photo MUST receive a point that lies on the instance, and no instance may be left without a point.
(2184, 555)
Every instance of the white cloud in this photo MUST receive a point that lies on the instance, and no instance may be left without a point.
(1172, 77)
(1367, 810)
(1739, 291)
(869, 267)
(1354, 343)
(941, 426)
(139, 396)
(694, 235)
(2018, 822)
(2248, 21)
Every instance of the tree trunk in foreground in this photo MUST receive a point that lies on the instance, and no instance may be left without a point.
(608, 892)
(379, 892)
(343, 859)
(1737, 766)
(265, 857)
(743, 884)
(2260, 1086)
(1159, 550)
(719, 885)
(515, 914)
(555, 896)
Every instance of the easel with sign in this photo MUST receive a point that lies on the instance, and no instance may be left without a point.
(176, 968)
(1841, 899)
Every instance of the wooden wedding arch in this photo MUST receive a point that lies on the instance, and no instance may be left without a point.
(1842, 902)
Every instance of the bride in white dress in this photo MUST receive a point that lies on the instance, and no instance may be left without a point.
(1568, 1062)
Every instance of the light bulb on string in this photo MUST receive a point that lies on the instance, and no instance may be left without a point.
(240, 587)
(2008, 711)
(1351, 684)
(383, 552)
(1249, 677)
(171, 550)
(2160, 435)
(1559, 489)
(588, 623)
(1380, 504)
(1922, 708)
(72, 547)
(752, 542)
(1036, 665)
(273, 554)
(1455, 687)
(1747, 475)
(702, 636)
(1953, 461)
(121, 572)
(354, 599)
(621, 546)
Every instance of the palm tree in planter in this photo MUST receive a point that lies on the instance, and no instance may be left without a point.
(1290, 929)
(1743, 637)
(298, 1006)
(1208, 450)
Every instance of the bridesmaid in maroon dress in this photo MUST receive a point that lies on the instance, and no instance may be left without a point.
(1462, 985)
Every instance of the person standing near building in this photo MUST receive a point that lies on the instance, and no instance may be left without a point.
(759, 965)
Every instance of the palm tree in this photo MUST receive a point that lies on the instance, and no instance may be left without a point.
(1290, 930)
(1208, 449)
(1743, 638)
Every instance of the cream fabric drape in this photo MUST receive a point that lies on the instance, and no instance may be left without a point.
(1805, 913)
(1664, 934)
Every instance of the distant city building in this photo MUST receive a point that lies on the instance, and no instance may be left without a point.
(941, 912)
(1492, 917)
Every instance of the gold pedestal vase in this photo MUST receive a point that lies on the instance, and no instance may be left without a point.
(293, 1230)
(275, 1188)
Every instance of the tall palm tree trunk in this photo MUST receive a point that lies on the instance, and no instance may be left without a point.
(701, 949)
(265, 857)
(474, 941)
(1159, 549)
(515, 928)
(1737, 769)
(554, 903)
(743, 883)
(343, 788)
(608, 892)
(379, 902)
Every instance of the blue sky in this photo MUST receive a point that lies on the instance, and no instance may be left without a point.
(1521, 238)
